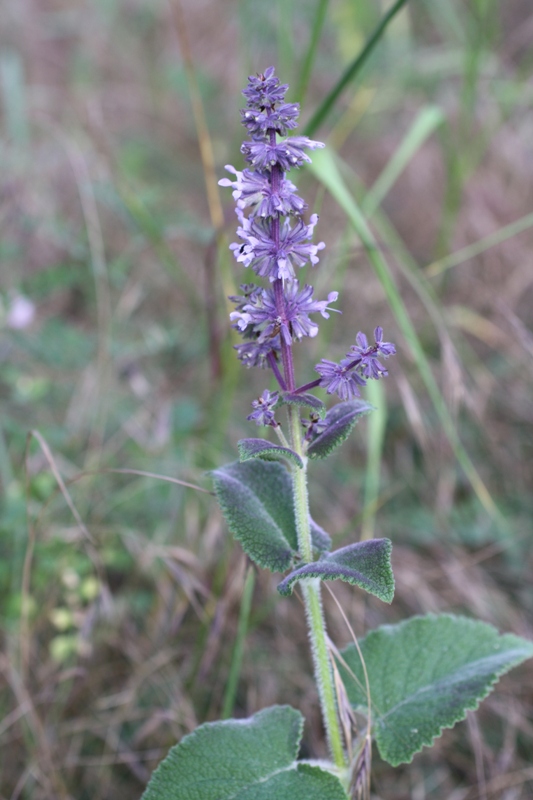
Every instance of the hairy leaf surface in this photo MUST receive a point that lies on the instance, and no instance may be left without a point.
(364, 564)
(307, 400)
(262, 448)
(249, 759)
(341, 420)
(256, 498)
(425, 674)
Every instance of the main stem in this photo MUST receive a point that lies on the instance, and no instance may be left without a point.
(311, 588)
(313, 602)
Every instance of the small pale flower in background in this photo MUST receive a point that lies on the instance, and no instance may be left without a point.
(20, 312)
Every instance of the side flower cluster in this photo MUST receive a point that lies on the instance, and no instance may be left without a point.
(275, 241)
(361, 362)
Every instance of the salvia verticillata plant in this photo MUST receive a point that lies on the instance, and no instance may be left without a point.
(402, 684)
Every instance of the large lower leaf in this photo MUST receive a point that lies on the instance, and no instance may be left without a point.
(256, 498)
(365, 564)
(340, 421)
(250, 759)
(425, 674)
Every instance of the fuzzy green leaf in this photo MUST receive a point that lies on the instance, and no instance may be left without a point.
(257, 502)
(425, 674)
(261, 448)
(250, 759)
(365, 564)
(256, 499)
(307, 400)
(341, 420)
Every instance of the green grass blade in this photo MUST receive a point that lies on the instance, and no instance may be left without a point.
(242, 629)
(326, 170)
(427, 121)
(376, 425)
(285, 40)
(465, 253)
(318, 24)
(353, 69)
(14, 96)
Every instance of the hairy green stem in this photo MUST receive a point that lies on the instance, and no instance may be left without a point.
(313, 602)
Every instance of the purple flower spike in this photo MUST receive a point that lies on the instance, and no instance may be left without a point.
(275, 241)
(263, 413)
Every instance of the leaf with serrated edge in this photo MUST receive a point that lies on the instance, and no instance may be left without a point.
(262, 448)
(425, 674)
(364, 564)
(249, 759)
(307, 400)
(256, 500)
(341, 420)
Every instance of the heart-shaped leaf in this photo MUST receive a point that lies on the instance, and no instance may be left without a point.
(245, 759)
(340, 420)
(425, 674)
(262, 448)
(365, 564)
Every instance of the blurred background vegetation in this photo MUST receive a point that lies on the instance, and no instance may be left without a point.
(120, 592)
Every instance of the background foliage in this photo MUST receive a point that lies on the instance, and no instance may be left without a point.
(121, 593)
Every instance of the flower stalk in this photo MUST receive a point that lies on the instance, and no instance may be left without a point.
(275, 242)
(313, 604)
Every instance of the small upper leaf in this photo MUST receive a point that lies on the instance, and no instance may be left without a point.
(320, 539)
(304, 399)
(262, 448)
(365, 564)
(340, 421)
(256, 499)
(425, 674)
(245, 759)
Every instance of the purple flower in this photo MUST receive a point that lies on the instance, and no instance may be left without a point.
(255, 188)
(314, 426)
(263, 413)
(340, 378)
(255, 354)
(275, 260)
(265, 90)
(385, 348)
(300, 304)
(366, 355)
(286, 154)
(282, 120)
(260, 313)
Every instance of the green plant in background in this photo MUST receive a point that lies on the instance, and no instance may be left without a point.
(402, 684)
